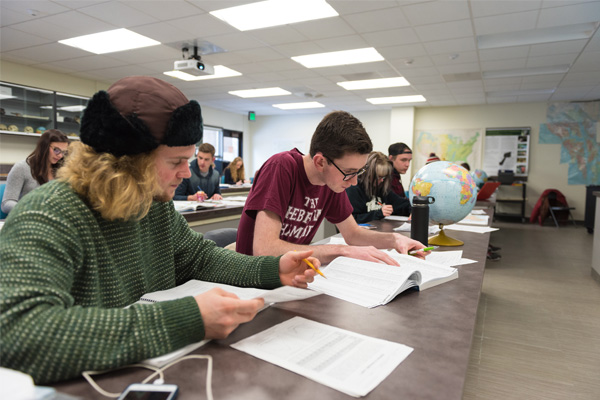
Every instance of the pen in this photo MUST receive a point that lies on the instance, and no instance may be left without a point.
(318, 271)
(412, 253)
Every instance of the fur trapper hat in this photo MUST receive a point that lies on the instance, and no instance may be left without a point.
(137, 114)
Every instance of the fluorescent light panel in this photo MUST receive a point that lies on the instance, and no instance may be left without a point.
(221, 71)
(509, 93)
(265, 92)
(299, 106)
(273, 13)
(537, 36)
(509, 73)
(345, 57)
(110, 41)
(374, 83)
(397, 99)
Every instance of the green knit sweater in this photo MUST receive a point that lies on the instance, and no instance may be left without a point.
(66, 274)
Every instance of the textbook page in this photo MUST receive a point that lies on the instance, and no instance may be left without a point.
(195, 287)
(346, 361)
(432, 274)
(365, 283)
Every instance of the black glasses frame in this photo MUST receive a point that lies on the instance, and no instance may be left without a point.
(58, 151)
(349, 176)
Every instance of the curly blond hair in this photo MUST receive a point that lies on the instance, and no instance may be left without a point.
(119, 188)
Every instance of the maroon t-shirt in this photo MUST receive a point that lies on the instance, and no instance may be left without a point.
(281, 186)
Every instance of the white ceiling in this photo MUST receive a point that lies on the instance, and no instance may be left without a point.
(433, 44)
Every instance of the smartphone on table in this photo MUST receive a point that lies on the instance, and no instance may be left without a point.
(149, 391)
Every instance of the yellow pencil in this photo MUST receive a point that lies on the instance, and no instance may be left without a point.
(313, 267)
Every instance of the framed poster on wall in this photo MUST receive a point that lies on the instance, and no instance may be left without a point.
(506, 149)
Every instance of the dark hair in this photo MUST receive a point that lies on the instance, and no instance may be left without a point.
(399, 148)
(340, 133)
(38, 159)
(207, 148)
(377, 165)
(466, 166)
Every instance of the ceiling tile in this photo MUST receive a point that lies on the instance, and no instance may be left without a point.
(163, 32)
(391, 37)
(379, 20)
(445, 30)
(324, 28)
(548, 61)
(435, 12)
(487, 8)
(76, 24)
(549, 49)
(504, 53)
(402, 52)
(506, 23)
(118, 14)
(450, 46)
(165, 10)
(12, 39)
(569, 15)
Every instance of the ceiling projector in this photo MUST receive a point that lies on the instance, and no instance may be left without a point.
(194, 67)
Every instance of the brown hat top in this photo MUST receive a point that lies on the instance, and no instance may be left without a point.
(138, 113)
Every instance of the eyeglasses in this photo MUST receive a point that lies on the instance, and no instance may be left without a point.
(347, 177)
(58, 151)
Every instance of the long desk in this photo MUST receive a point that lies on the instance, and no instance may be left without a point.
(215, 218)
(438, 323)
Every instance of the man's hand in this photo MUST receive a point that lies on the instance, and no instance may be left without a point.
(222, 312)
(216, 196)
(405, 244)
(295, 272)
(369, 253)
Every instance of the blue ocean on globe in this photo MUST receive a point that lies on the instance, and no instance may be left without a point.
(480, 177)
(452, 187)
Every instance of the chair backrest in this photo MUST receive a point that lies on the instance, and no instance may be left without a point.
(2, 187)
(222, 237)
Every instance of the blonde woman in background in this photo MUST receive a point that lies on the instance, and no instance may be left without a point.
(234, 173)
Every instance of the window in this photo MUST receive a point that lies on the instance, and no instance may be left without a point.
(228, 144)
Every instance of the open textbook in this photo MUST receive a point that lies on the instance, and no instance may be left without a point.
(182, 205)
(195, 287)
(372, 284)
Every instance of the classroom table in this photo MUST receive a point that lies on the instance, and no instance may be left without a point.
(438, 323)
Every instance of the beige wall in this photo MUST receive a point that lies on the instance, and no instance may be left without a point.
(545, 170)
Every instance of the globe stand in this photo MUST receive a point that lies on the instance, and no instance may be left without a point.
(442, 240)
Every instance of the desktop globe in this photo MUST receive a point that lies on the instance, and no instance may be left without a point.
(480, 177)
(454, 191)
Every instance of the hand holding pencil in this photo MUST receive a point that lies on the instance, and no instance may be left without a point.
(294, 270)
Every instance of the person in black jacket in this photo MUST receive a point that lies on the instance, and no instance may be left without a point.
(373, 198)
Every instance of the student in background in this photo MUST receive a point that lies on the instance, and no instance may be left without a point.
(432, 158)
(466, 166)
(205, 180)
(373, 198)
(400, 155)
(292, 193)
(39, 168)
(234, 173)
(78, 250)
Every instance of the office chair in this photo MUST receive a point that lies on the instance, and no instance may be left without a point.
(222, 237)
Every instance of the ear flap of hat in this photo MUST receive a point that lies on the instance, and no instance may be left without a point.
(107, 131)
(185, 126)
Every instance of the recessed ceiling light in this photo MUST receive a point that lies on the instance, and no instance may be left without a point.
(537, 36)
(110, 41)
(374, 83)
(397, 99)
(299, 106)
(265, 92)
(509, 73)
(507, 93)
(221, 71)
(344, 57)
(273, 13)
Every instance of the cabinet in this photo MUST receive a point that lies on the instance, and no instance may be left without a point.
(29, 111)
(511, 200)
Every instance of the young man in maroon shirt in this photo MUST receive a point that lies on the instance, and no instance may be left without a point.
(293, 192)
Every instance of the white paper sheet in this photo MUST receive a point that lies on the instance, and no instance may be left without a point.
(468, 228)
(346, 361)
(405, 227)
(475, 220)
(396, 218)
(448, 258)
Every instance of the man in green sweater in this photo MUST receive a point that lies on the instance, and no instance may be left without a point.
(78, 250)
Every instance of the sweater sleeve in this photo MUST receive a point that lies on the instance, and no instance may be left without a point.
(14, 186)
(358, 199)
(183, 191)
(228, 178)
(401, 204)
(55, 324)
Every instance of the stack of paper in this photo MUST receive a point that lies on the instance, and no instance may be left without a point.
(346, 361)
